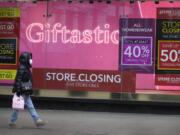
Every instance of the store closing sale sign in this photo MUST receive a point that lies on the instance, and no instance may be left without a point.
(137, 40)
(137, 50)
(9, 39)
(168, 47)
(8, 48)
(93, 80)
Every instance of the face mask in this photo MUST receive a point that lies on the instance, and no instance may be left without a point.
(30, 61)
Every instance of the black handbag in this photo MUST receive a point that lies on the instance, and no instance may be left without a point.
(26, 86)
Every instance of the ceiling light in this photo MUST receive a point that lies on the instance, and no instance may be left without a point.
(81, 1)
(156, 1)
(34, 1)
(100, 0)
(142, 0)
(108, 1)
(91, 1)
(171, 1)
(131, 1)
(69, 1)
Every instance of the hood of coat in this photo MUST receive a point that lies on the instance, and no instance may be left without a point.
(25, 58)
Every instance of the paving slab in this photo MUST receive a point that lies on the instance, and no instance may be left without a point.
(66, 122)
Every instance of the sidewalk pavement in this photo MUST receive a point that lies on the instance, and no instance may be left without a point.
(62, 122)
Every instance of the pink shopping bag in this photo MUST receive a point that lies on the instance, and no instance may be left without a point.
(18, 102)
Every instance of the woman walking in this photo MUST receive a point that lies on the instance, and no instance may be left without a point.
(24, 75)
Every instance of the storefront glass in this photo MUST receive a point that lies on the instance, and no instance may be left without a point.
(92, 49)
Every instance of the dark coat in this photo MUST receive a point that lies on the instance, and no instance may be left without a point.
(24, 74)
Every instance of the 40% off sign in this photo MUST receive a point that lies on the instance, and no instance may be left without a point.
(137, 51)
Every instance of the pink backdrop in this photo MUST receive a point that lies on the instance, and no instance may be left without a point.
(103, 56)
(74, 17)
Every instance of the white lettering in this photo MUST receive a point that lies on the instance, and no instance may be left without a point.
(61, 76)
(83, 77)
(38, 33)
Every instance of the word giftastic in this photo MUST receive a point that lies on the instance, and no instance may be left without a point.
(38, 32)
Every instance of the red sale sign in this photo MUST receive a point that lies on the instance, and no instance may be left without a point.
(168, 47)
(168, 79)
(9, 37)
(169, 55)
(9, 43)
(75, 79)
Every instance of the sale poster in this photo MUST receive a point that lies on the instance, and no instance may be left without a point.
(136, 46)
(76, 79)
(9, 42)
(8, 49)
(168, 46)
(137, 50)
(169, 54)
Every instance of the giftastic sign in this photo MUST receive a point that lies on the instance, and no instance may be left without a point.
(57, 33)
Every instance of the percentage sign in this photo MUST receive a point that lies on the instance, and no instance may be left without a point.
(145, 49)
